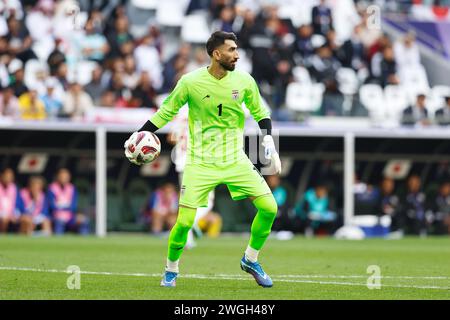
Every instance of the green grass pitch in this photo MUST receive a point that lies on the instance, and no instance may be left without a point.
(129, 267)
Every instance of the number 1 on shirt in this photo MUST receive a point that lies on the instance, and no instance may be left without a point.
(220, 109)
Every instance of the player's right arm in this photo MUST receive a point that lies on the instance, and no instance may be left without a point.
(168, 110)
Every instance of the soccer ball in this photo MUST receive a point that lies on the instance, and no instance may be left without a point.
(145, 147)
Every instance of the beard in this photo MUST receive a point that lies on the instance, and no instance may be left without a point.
(227, 66)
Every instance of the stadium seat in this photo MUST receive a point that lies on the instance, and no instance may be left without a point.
(436, 98)
(82, 72)
(414, 77)
(396, 100)
(145, 4)
(301, 75)
(170, 13)
(195, 28)
(32, 68)
(372, 98)
(304, 98)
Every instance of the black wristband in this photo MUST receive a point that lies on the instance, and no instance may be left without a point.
(148, 126)
(266, 124)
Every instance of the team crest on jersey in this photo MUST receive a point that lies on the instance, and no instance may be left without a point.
(235, 94)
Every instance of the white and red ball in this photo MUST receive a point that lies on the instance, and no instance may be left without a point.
(146, 147)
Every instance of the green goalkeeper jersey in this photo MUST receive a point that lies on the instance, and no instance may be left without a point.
(216, 118)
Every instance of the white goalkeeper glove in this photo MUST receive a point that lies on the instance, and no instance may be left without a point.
(128, 153)
(270, 152)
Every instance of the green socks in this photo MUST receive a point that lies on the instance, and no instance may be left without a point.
(262, 223)
(179, 233)
(260, 230)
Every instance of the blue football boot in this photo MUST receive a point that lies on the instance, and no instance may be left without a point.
(169, 279)
(255, 269)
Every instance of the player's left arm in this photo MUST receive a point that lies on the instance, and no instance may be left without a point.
(261, 114)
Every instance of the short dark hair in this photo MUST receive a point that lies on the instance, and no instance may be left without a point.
(217, 39)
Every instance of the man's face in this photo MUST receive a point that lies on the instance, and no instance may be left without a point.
(414, 184)
(387, 185)
(227, 55)
(7, 176)
(63, 177)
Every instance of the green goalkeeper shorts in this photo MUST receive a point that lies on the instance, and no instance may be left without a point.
(242, 179)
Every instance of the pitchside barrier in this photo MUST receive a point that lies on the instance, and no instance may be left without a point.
(338, 139)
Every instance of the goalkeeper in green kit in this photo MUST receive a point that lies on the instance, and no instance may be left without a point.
(215, 153)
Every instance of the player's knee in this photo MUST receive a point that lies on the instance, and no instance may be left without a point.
(186, 217)
(267, 204)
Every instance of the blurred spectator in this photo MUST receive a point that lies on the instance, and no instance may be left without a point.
(366, 198)
(407, 52)
(35, 214)
(390, 204)
(282, 220)
(442, 115)
(11, 204)
(93, 44)
(352, 53)
(76, 102)
(375, 51)
(31, 106)
(53, 105)
(442, 209)
(162, 208)
(61, 75)
(384, 67)
(200, 60)
(17, 75)
(284, 77)
(9, 104)
(147, 59)
(331, 42)
(303, 43)
(144, 94)
(211, 224)
(417, 113)
(322, 19)
(323, 65)
(130, 75)
(369, 35)
(175, 68)
(96, 86)
(108, 99)
(62, 200)
(245, 27)
(313, 210)
(120, 39)
(56, 57)
(39, 20)
(225, 20)
(19, 40)
(413, 207)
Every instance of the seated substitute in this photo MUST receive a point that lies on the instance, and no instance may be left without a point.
(35, 214)
(62, 203)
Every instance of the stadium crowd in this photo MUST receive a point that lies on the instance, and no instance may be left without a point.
(43, 57)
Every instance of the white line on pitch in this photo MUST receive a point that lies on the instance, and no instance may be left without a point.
(223, 277)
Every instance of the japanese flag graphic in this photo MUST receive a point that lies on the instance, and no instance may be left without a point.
(397, 168)
(33, 163)
(158, 168)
